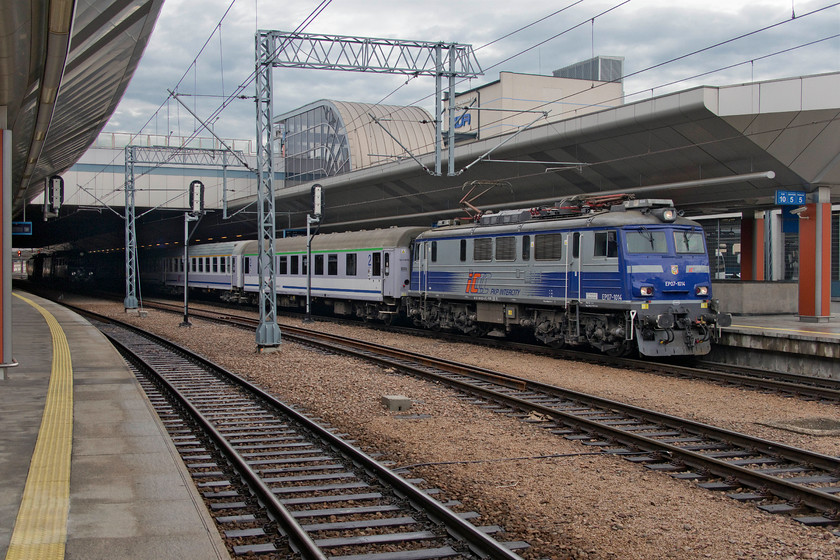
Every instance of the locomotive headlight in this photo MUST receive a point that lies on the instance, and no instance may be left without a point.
(646, 290)
(701, 290)
(666, 214)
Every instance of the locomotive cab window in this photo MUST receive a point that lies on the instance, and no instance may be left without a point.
(246, 265)
(576, 245)
(350, 264)
(606, 244)
(434, 252)
(689, 242)
(526, 247)
(647, 241)
(463, 250)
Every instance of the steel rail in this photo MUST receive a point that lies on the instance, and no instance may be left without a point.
(816, 499)
(300, 541)
(799, 385)
(478, 541)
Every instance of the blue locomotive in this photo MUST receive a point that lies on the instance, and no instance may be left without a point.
(616, 274)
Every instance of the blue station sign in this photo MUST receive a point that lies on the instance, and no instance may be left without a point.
(21, 228)
(790, 198)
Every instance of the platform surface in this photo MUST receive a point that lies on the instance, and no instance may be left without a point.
(789, 325)
(129, 495)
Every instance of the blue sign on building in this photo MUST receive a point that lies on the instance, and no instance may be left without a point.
(462, 120)
(790, 198)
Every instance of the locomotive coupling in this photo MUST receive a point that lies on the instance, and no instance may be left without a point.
(661, 321)
(722, 319)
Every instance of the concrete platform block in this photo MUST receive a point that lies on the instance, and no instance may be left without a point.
(396, 402)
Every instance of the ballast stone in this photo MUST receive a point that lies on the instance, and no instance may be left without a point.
(396, 402)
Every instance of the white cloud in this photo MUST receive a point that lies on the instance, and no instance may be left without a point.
(645, 32)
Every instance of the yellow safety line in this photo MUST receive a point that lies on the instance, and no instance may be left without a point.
(41, 524)
(821, 333)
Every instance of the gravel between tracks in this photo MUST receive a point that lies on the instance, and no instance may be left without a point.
(572, 506)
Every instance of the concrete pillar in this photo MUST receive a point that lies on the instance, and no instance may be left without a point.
(815, 258)
(6, 359)
(752, 246)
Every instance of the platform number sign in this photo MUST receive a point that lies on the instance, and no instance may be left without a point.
(790, 198)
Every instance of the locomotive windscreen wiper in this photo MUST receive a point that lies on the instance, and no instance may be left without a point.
(647, 235)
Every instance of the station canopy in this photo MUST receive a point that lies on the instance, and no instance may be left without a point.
(704, 147)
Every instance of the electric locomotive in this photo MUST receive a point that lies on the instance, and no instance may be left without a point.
(613, 273)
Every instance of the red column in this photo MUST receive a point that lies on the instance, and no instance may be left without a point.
(815, 259)
(752, 247)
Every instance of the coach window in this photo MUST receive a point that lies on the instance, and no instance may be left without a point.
(350, 264)
(194, 264)
(283, 267)
(434, 251)
(605, 244)
(181, 265)
(463, 250)
(526, 247)
(548, 246)
(295, 265)
(332, 265)
(505, 248)
(319, 265)
(483, 249)
(223, 264)
(576, 245)
(376, 264)
(215, 264)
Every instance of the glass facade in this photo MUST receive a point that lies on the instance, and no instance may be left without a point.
(314, 145)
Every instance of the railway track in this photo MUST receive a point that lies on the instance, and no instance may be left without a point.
(306, 491)
(778, 478)
(800, 386)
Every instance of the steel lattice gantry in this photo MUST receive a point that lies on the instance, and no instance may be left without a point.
(351, 54)
(163, 155)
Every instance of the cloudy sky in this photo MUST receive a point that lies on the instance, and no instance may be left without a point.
(647, 33)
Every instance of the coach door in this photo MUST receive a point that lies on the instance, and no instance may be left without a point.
(572, 265)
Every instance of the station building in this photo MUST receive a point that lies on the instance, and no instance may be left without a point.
(335, 138)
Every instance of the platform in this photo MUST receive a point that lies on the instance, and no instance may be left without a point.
(113, 486)
(783, 343)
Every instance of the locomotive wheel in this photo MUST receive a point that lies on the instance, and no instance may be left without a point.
(623, 349)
